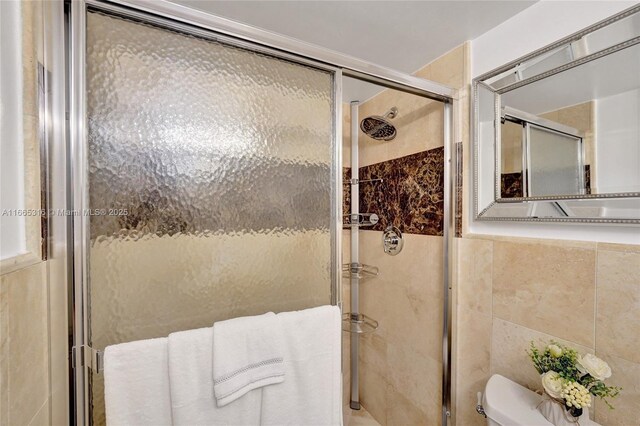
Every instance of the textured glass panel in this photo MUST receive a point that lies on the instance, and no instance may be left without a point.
(214, 166)
(555, 162)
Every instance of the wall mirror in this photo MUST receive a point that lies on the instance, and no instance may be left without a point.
(557, 132)
(23, 203)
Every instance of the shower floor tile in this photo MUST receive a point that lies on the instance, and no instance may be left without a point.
(359, 418)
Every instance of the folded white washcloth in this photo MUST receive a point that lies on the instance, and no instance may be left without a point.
(191, 377)
(136, 383)
(312, 393)
(247, 354)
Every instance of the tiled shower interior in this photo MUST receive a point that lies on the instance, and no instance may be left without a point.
(400, 365)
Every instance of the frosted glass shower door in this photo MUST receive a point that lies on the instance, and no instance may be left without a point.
(210, 183)
(555, 163)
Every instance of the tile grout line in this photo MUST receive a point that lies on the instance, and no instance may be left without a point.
(545, 333)
(46, 401)
(493, 266)
(595, 302)
(595, 313)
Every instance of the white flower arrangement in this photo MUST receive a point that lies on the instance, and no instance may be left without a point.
(552, 384)
(570, 378)
(591, 364)
(575, 395)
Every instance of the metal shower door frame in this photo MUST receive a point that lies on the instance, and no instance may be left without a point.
(86, 358)
(201, 24)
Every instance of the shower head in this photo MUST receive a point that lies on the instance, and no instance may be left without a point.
(380, 127)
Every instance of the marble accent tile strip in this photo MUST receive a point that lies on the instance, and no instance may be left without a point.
(410, 196)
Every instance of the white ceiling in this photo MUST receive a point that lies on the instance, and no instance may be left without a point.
(608, 76)
(399, 34)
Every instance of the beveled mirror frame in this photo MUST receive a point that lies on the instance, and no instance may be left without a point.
(488, 203)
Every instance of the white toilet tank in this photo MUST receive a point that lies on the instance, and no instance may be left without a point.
(506, 403)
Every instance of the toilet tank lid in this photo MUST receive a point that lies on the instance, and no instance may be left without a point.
(508, 403)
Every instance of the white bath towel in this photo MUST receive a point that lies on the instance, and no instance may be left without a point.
(136, 383)
(191, 375)
(312, 391)
(247, 354)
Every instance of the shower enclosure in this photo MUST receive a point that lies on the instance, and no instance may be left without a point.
(205, 167)
(394, 182)
(210, 177)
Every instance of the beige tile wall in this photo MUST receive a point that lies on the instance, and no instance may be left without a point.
(532, 283)
(509, 291)
(24, 347)
(472, 326)
(585, 295)
(419, 126)
(401, 363)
